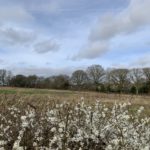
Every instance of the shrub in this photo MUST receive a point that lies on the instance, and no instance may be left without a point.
(80, 126)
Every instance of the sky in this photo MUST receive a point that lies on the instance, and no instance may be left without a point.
(50, 37)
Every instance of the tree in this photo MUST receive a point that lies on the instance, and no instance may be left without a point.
(5, 77)
(146, 72)
(96, 74)
(31, 81)
(42, 82)
(2, 77)
(136, 78)
(79, 78)
(61, 82)
(19, 81)
(119, 79)
(8, 77)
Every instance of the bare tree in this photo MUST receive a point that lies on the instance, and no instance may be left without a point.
(119, 79)
(8, 77)
(2, 76)
(79, 78)
(96, 74)
(136, 78)
(5, 77)
(146, 72)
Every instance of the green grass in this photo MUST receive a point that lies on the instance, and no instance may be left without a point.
(6, 91)
(32, 91)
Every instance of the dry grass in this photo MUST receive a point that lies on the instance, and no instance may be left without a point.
(39, 97)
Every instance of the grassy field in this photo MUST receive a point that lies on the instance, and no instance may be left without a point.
(40, 97)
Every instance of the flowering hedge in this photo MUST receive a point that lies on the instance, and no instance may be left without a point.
(70, 126)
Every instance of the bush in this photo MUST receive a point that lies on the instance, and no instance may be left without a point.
(133, 90)
(74, 127)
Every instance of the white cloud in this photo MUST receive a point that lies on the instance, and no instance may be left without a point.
(147, 43)
(1, 60)
(14, 14)
(12, 36)
(130, 20)
(2, 63)
(142, 61)
(46, 46)
(41, 71)
(92, 50)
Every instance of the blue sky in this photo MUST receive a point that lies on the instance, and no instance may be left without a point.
(47, 37)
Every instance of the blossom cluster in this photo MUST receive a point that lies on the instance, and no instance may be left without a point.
(80, 126)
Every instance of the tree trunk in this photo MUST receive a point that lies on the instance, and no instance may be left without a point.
(137, 90)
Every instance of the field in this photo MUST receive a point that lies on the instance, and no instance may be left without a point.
(71, 120)
(40, 97)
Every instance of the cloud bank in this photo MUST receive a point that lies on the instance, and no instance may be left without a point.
(42, 71)
(130, 20)
(73, 33)
(92, 50)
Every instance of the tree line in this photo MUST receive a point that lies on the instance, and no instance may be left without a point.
(94, 78)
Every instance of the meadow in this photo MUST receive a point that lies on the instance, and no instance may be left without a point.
(42, 119)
